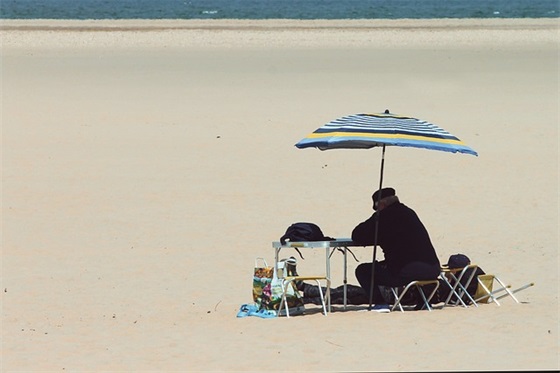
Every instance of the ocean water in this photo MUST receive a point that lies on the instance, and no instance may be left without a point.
(280, 9)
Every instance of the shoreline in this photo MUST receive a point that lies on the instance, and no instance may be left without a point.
(384, 33)
(274, 24)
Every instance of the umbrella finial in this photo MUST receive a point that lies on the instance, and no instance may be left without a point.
(386, 111)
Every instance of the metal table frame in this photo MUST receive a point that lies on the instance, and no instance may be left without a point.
(329, 246)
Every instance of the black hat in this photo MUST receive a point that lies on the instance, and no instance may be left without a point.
(458, 261)
(385, 192)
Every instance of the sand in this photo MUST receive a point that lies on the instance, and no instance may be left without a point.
(146, 164)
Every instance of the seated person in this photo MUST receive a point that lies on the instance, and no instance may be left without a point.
(407, 248)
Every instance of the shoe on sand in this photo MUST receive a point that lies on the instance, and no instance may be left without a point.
(381, 308)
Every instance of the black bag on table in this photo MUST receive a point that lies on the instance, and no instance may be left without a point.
(303, 231)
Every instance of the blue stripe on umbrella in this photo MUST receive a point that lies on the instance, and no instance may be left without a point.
(370, 130)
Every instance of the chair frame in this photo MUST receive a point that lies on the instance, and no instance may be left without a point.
(457, 288)
(491, 294)
(419, 286)
(289, 281)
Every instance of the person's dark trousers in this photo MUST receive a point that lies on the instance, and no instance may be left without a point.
(382, 277)
(410, 272)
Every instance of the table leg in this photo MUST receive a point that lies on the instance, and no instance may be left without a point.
(328, 266)
(345, 279)
(276, 256)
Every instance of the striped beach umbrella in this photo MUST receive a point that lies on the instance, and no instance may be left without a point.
(364, 131)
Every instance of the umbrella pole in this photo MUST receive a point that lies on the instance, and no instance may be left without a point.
(372, 281)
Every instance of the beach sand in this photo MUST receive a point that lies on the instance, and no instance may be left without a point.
(146, 164)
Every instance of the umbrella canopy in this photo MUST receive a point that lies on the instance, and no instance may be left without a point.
(363, 131)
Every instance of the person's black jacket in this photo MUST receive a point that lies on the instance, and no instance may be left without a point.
(401, 235)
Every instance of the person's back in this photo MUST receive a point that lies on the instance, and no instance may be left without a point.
(401, 235)
(404, 238)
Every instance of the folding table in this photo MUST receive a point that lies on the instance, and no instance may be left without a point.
(330, 246)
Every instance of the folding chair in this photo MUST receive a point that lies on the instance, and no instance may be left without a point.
(286, 270)
(418, 285)
(485, 292)
(458, 284)
(290, 281)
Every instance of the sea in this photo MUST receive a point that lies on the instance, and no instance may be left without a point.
(277, 9)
